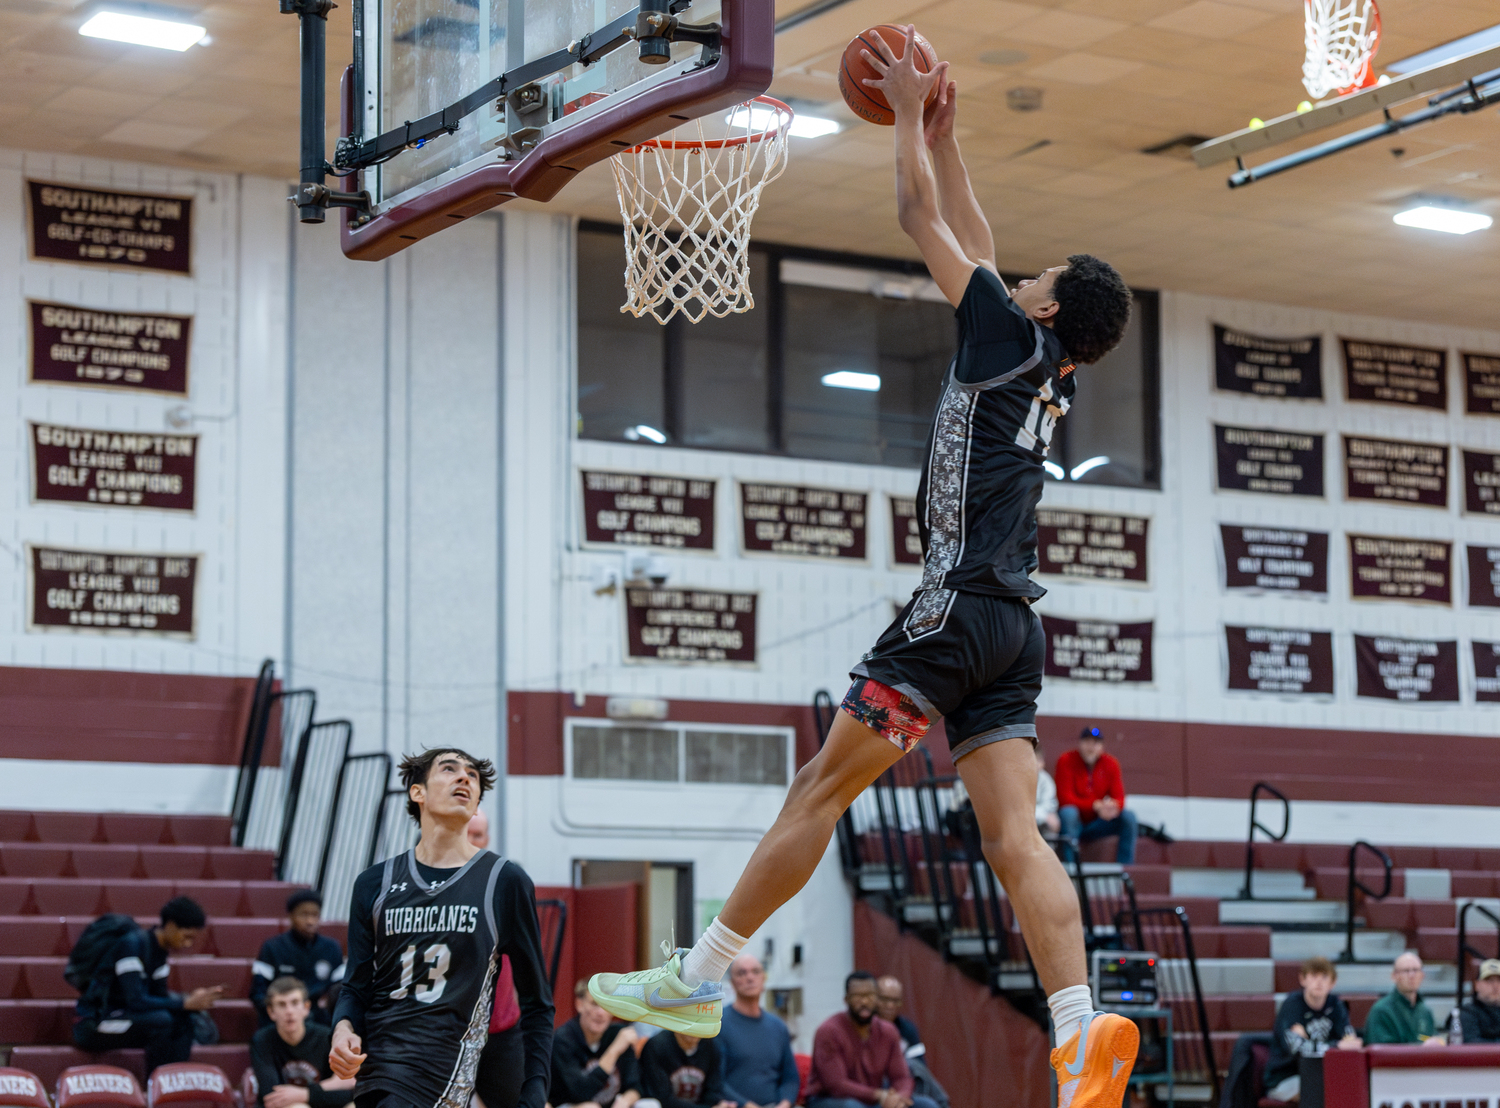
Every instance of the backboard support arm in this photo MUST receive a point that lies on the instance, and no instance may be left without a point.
(313, 197)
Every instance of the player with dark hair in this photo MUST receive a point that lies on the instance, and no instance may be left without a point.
(427, 929)
(967, 648)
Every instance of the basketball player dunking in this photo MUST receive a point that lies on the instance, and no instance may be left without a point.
(426, 932)
(967, 647)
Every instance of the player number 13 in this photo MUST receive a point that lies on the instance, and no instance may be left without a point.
(437, 959)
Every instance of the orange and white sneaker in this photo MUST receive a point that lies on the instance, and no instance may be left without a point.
(1093, 1067)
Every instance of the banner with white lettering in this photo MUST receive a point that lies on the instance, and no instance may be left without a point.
(1387, 470)
(133, 469)
(1487, 671)
(1481, 483)
(108, 227)
(143, 594)
(810, 523)
(1274, 559)
(1484, 576)
(689, 625)
(1093, 650)
(1278, 660)
(1413, 376)
(1406, 669)
(1481, 383)
(645, 509)
(1268, 367)
(1093, 545)
(1386, 568)
(133, 351)
(1257, 459)
(906, 539)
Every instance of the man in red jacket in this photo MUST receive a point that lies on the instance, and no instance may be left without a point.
(1091, 796)
(858, 1058)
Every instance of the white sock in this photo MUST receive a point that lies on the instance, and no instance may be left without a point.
(711, 954)
(1069, 1006)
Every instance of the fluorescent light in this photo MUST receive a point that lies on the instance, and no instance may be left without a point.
(849, 379)
(1083, 467)
(645, 431)
(803, 126)
(1458, 48)
(1454, 221)
(1054, 470)
(140, 30)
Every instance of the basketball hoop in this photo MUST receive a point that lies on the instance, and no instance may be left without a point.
(1342, 37)
(687, 205)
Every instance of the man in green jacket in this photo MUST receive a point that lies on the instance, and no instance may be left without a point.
(1402, 1016)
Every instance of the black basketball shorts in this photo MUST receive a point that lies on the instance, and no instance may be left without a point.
(974, 661)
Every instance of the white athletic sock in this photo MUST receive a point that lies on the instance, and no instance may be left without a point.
(1069, 1006)
(711, 954)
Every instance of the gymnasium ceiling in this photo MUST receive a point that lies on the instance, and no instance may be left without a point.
(1118, 76)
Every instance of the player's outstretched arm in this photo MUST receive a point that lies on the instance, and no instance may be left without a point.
(916, 186)
(956, 201)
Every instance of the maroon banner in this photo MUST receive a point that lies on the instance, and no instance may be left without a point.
(1268, 367)
(1406, 472)
(1413, 376)
(1275, 559)
(1481, 383)
(1487, 672)
(1091, 650)
(810, 523)
(1484, 576)
(137, 470)
(1256, 459)
(1276, 660)
(1481, 483)
(1094, 545)
(145, 351)
(642, 509)
(148, 594)
(1406, 669)
(108, 227)
(689, 625)
(906, 538)
(1400, 569)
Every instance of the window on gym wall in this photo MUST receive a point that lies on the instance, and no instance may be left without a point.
(610, 752)
(842, 359)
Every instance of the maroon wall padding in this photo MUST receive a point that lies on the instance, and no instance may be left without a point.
(600, 936)
(980, 1048)
(99, 715)
(1346, 1079)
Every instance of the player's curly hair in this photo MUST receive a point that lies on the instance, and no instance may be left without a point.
(414, 769)
(1093, 308)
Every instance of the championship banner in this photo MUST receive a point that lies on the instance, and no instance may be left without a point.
(1406, 472)
(1481, 483)
(689, 625)
(1484, 576)
(1090, 650)
(1481, 383)
(1091, 545)
(1406, 669)
(134, 351)
(1275, 660)
(1487, 671)
(127, 468)
(1275, 559)
(810, 523)
(147, 594)
(1400, 569)
(1413, 376)
(107, 227)
(906, 539)
(1268, 367)
(643, 509)
(1254, 459)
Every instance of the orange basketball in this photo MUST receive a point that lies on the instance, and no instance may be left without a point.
(870, 103)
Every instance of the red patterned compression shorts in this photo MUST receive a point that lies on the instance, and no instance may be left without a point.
(883, 709)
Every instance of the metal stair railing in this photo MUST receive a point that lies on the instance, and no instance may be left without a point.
(552, 918)
(1466, 951)
(354, 829)
(251, 751)
(1357, 886)
(398, 832)
(310, 801)
(1102, 899)
(1248, 893)
(1168, 932)
(289, 715)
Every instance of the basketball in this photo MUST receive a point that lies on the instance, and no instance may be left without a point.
(870, 103)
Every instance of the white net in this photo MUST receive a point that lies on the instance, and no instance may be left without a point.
(1342, 36)
(687, 201)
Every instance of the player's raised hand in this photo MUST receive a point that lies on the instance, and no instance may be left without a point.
(345, 1057)
(937, 120)
(905, 86)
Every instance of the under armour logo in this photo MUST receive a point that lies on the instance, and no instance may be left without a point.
(400, 888)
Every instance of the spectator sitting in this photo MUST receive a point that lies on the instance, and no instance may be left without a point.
(679, 1071)
(1402, 1016)
(890, 996)
(300, 952)
(1047, 821)
(1091, 792)
(290, 1058)
(592, 1059)
(760, 1070)
(1308, 1023)
(1479, 1018)
(857, 1058)
(126, 1002)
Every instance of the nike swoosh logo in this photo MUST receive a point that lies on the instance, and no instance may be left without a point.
(1075, 1067)
(656, 1000)
(1119, 1065)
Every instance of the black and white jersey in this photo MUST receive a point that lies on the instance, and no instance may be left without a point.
(436, 954)
(1007, 387)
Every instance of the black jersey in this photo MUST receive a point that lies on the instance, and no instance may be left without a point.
(1007, 387)
(436, 954)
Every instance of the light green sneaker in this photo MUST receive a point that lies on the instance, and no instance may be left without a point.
(658, 996)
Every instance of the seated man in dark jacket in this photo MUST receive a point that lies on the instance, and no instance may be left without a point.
(290, 1058)
(128, 1003)
(1479, 1018)
(681, 1071)
(1311, 1020)
(300, 952)
(592, 1059)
